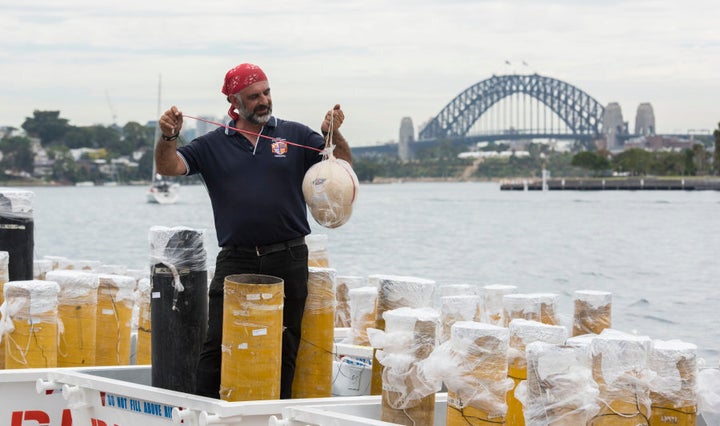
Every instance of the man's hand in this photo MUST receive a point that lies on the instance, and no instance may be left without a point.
(171, 122)
(334, 116)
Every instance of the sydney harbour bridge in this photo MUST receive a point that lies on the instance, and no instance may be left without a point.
(524, 107)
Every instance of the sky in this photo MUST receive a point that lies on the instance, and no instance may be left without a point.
(99, 62)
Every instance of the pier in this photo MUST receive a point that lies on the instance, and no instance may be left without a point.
(614, 184)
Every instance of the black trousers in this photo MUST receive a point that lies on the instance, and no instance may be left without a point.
(290, 264)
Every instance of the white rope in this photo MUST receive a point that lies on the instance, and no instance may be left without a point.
(328, 151)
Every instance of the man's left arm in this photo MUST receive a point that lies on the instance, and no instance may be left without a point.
(342, 149)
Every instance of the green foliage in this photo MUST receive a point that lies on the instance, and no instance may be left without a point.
(716, 154)
(635, 161)
(592, 161)
(46, 125)
(16, 154)
(138, 136)
(443, 150)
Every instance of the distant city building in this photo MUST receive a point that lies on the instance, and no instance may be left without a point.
(659, 143)
(406, 138)
(203, 127)
(645, 120)
(613, 125)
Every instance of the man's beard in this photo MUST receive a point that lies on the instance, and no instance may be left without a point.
(253, 116)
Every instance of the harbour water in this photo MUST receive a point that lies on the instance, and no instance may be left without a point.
(656, 251)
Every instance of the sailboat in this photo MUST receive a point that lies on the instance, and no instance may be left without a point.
(162, 190)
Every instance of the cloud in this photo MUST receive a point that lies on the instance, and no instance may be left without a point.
(381, 60)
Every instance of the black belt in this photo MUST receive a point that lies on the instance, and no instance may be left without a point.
(269, 248)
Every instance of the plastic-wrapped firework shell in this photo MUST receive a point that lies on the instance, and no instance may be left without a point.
(251, 337)
(522, 333)
(492, 310)
(457, 308)
(313, 366)
(330, 188)
(318, 255)
(592, 311)
(395, 291)
(362, 312)
(345, 283)
(115, 301)
(77, 316)
(475, 369)
(674, 389)
(408, 397)
(29, 324)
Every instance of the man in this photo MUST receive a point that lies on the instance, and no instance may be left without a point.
(255, 188)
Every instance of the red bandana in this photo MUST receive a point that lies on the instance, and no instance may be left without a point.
(239, 78)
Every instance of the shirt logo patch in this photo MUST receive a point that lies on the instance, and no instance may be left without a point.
(279, 147)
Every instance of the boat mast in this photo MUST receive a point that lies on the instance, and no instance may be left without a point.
(156, 136)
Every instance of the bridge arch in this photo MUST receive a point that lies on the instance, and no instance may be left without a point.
(579, 111)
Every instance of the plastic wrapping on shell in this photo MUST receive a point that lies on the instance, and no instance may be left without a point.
(4, 259)
(78, 265)
(620, 367)
(362, 312)
(409, 338)
(592, 312)
(548, 307)
(137, 273)
(522, 306)
(401, 291)
(457, 308)
(41, 267)
(581, 341)
(321, 290)
(318, 255)
(179, 246)
(55, 260)
(473, 365)
(144, 287)
(675, 365)
(345, 283)
(313, 369)
(330, 188)
(142, 317)
(31, 300)
(29, 323)
(492, 305)
(180, 250)
(560, 389)
(16, 203)
(523, 332)
(76, 287)
(77, 317)
(121, 288)
(709, 395)
(457, 290)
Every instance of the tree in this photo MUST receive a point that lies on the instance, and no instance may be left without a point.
(138, 136)
(46, 125)
(108, 138)
(16, 154)
(591, 161)
(716, 155)
(635, 161)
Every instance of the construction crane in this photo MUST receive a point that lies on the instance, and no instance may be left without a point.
(112, 110)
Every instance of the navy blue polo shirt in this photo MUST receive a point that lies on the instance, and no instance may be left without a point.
(256, 193)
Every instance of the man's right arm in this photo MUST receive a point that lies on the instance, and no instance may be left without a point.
(167, 162)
